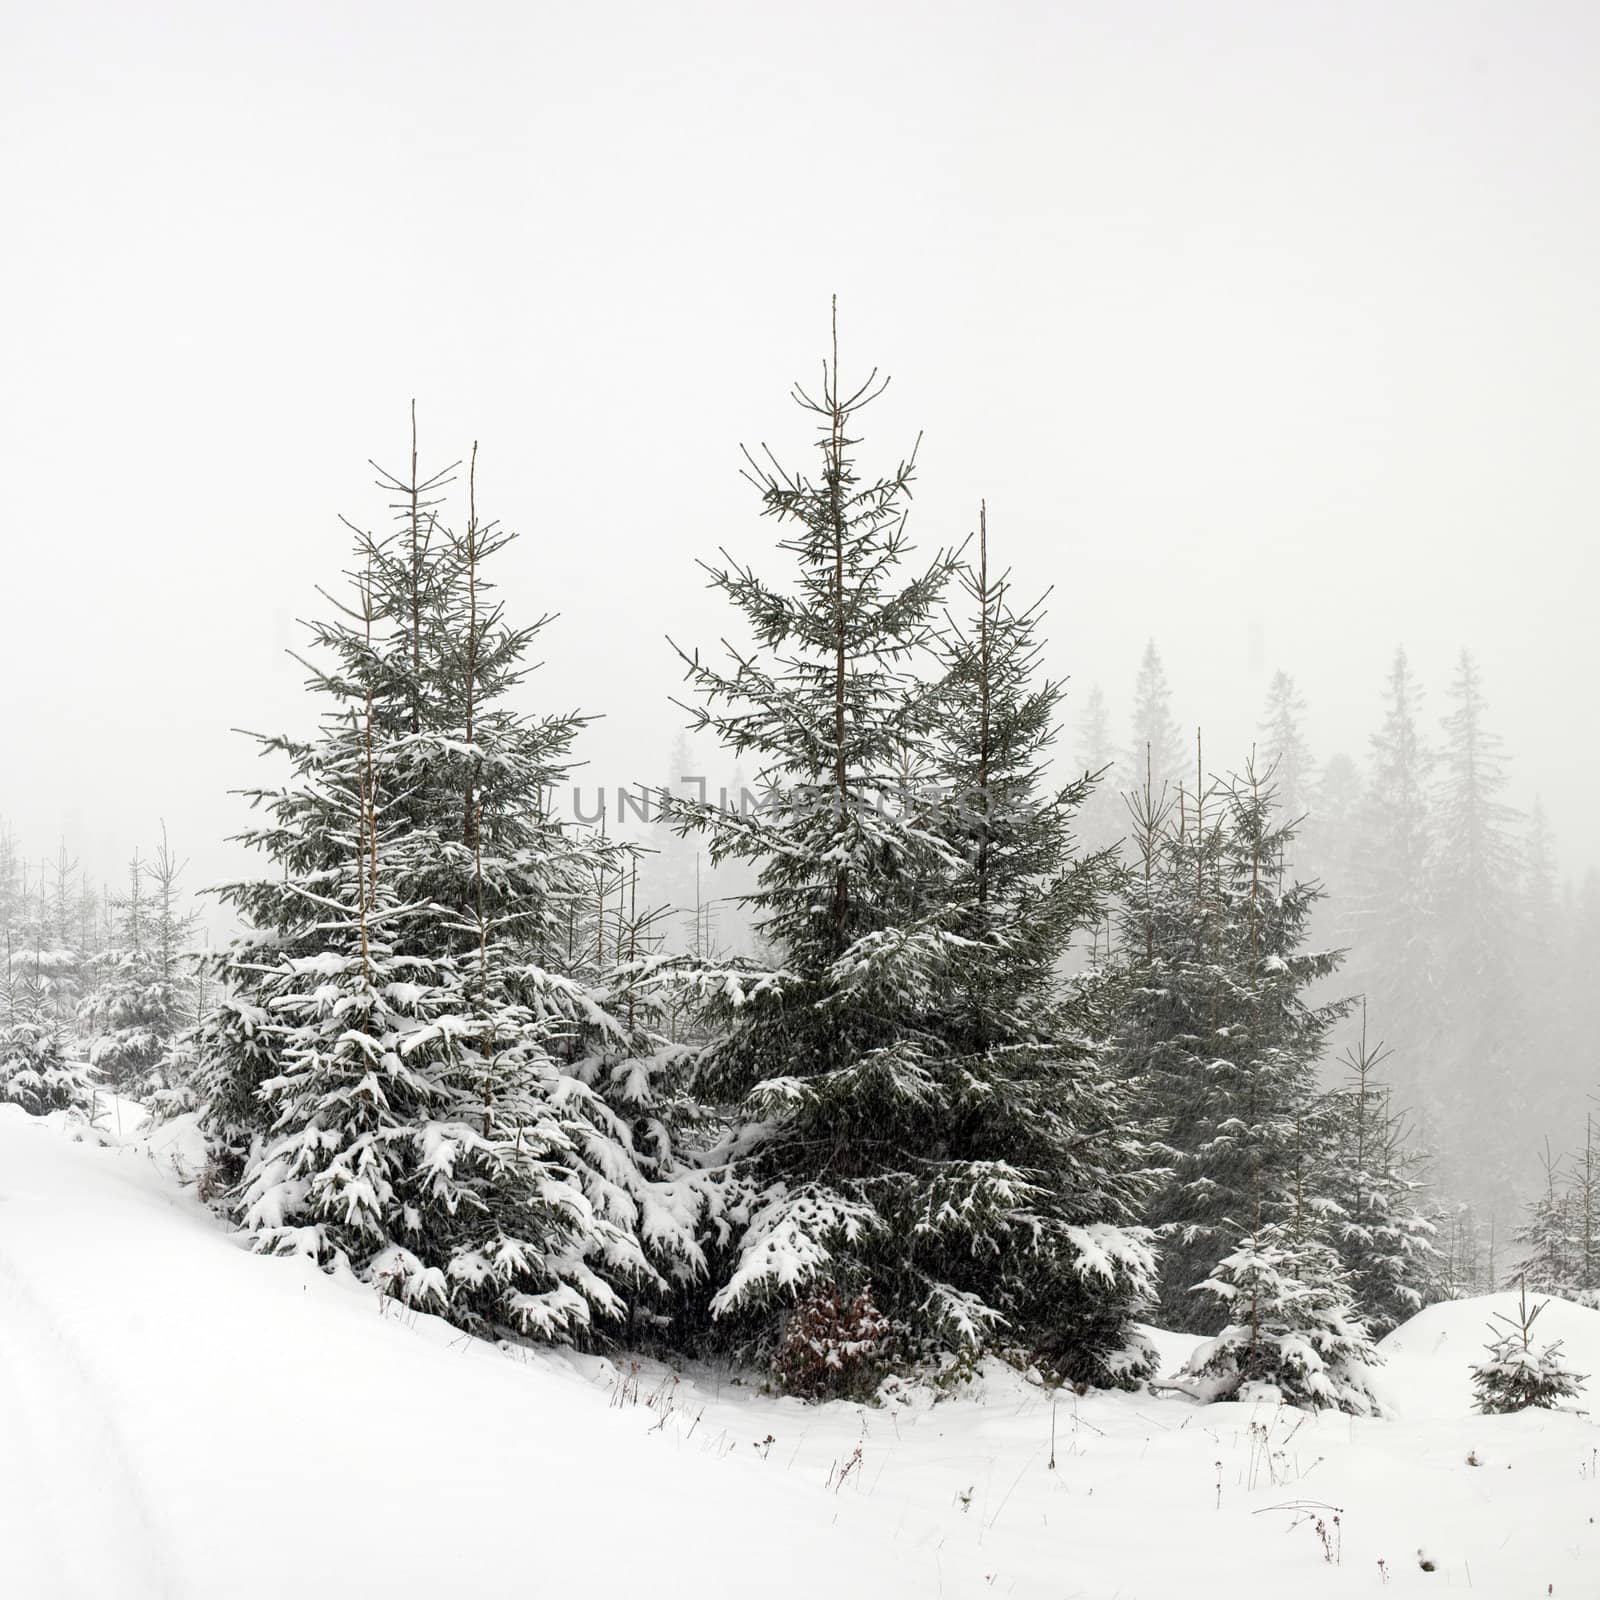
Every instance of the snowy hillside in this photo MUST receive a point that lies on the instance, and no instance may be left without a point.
(181, 1418)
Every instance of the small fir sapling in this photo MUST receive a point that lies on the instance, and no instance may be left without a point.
(1291, 1331)
(144, 1000)
(1519, 1374)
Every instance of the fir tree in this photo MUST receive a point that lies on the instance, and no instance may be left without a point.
(1158, 742)
(1393, 949)
(1376, 1219)
(878, 1085)
(405, 1073)
(35, 1070)
(1218, 1030)
(1291, 1330)
(1549, 1236)
(1477, 879)
(144, 997)
(1517, 1374)
(1034, 1092)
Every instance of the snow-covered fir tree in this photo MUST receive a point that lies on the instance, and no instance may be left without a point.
(1290, 1327)
(145, 989)
(1376, 1217)
(1518, 1373)
(826, 1065)
(405, 1073)
(1217, 1029)
(36, 1072)
(1035, 1097)
(1548, 1237)
(903, 1084)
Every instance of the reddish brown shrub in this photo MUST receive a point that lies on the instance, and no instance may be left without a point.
(834, 1347)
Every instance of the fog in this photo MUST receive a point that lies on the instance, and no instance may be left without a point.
(1267, 332)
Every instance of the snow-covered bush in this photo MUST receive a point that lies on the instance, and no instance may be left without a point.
(1518, 1374)
(1292, 1332)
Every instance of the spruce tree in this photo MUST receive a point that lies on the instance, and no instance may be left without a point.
(36, 1072)
(1485, 1098)
(406, 1072)
(1519, 1374)
(1034, 1092)
(879, 1146)
(1372, 1181)
(1394, 960)
(1157, 740)
(1550, 1236)
(1219, 1032)
(1290, 1331)
(1284, 749)
(143, 998)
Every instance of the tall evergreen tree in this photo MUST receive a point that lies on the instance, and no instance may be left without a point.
(1394, 958)
(1219, 1033)
(1157, 740)
(1072, 1268)
(902, 1086)
(404, 1074)
(1485, 1098)
(828, 1065)
(1102, 818)
(1284, 749)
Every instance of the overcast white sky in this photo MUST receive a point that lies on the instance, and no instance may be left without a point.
(1239, 314)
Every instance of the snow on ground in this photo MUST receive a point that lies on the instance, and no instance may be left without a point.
(181, 1418)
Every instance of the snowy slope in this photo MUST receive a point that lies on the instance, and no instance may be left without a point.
(180, 1418)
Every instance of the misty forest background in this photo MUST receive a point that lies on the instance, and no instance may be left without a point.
(705, 1070)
